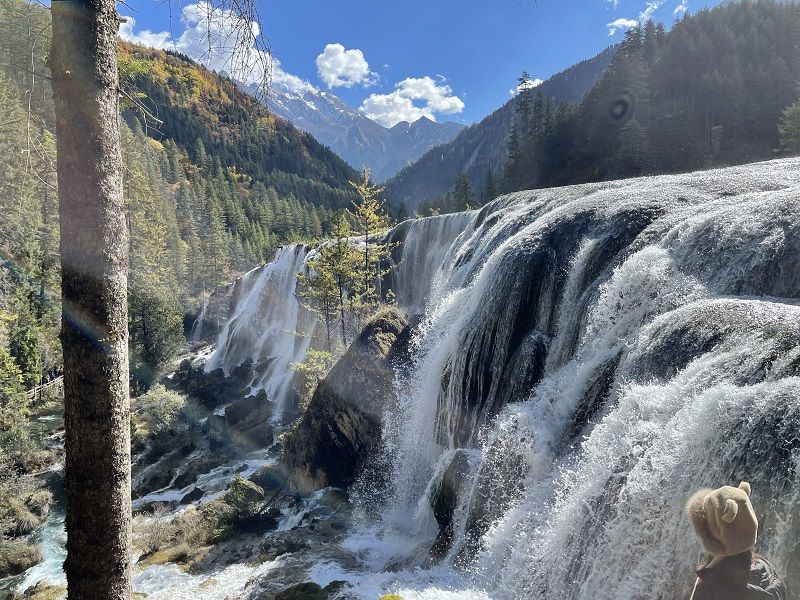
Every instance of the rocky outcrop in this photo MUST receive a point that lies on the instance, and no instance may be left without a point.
(341, 428)
(240, 418)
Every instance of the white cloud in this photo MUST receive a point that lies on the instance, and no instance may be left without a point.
(399, 105)
(218, 38)
(145, 38)
(621, 24)
(340, 67)
(530, 84)
(645, 15)
(681, 9)
(649, 11)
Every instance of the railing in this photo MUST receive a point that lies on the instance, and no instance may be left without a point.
(37, 391)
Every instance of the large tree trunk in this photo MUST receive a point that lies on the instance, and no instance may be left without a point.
(94, 332)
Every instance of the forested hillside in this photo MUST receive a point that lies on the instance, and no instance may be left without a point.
(709, 92)
(481, 150)
(213, 185)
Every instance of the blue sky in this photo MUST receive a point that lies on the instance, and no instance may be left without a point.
(448, 59)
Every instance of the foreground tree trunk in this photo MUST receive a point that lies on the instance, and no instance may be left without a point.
(94, 334)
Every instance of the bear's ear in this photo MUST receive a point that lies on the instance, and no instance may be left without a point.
(731, 509)
(745, 487)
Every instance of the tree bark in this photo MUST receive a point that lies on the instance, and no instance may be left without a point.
(94, 268)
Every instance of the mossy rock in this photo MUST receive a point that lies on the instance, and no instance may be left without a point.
(180, 554)
(391, 597)
(45, 591)
(341, 428)
(17, 556)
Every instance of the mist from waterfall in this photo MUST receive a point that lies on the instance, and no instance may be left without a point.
(599, 352)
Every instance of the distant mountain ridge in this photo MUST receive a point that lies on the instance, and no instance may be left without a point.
(482, 148)
(357, 139)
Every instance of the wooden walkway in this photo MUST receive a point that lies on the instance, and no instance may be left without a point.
(37, 391)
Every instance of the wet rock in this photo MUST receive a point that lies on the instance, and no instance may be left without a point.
(270, 478)
(245, 419)
(248, 420)
(303, 591)
(284, 542)
(207, 325)
(341, 428)
(193, 496)
(445, 500)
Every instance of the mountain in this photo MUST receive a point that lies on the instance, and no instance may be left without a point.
(196, 104)
(482, 148)
(213, 185)
(357, 139)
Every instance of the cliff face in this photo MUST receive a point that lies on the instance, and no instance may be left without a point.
(342, 426)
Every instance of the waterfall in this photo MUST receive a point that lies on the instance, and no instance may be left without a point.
(602, 351)
(266, 324)
(421, 248)
(585, 358)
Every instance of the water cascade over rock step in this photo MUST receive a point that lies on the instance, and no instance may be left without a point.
(583, 358)
(591, 347)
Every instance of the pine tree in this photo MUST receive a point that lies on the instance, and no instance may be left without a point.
(94, 271)
(370, 221)
(13, 405)
(789, 129)
(489, 189)
(24, 346)
(342, 261)
(462, 193)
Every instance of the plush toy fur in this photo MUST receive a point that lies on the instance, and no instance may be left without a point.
(723, 519)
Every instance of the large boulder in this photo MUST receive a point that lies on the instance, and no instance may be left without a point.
(341, 428)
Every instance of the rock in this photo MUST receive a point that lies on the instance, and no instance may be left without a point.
(17, 556)
(192, 496)
(215, 314)
(341, 428)
(45, 591)
(334, 586)
(245, 421)
(445, 500)
(284, 542)
(303, 591)
(270, 478)
(179, 554)
(243, 493)
(391, 597)
(248, 420)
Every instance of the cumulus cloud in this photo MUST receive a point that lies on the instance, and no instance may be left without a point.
(681, 9)
(218, 38)
(621, 24)
(339, 67)
(145, 38)
(528, 85)
(412, 98)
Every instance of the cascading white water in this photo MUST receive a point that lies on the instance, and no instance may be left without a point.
(599, 351)
(266, 324)
(606, 349)
(422, 247)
